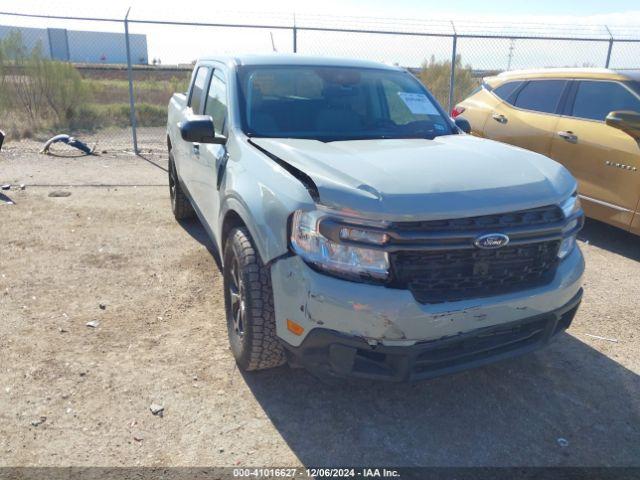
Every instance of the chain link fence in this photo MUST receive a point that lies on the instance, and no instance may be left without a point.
(108, 81)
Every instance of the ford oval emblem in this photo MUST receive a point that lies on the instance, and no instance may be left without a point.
(491, 241)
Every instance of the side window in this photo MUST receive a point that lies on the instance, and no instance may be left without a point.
(595, 100)
(541, 95)
(216, 104)
(505, 90)
(195, 99)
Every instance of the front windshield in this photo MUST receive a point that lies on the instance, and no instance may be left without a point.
(337, 103)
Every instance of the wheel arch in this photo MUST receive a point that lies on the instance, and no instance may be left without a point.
(232, 219)
(262, 237)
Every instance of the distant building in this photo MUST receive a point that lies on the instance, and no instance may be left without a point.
(79, 46)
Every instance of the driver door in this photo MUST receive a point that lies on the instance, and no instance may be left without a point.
(209, 163)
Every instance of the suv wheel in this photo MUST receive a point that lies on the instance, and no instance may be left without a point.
(248, 302)
(180, 205)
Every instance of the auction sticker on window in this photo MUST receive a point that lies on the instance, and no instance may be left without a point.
(418, 103)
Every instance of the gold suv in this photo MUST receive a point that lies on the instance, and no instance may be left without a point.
(586, 119)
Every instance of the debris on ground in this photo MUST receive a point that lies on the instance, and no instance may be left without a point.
(71, 141)
(93, 324)
(563, 442)
(102, 306)
(59, 193)
(38, 421)
(157, 409)
(138, 438)
(6, 186)
(614, 340)
(22, 186)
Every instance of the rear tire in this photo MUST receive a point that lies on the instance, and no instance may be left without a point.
(180, 204)
(248, 299)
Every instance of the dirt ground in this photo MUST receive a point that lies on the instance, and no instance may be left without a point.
(77, 395)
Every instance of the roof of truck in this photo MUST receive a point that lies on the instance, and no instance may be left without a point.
(297, 59)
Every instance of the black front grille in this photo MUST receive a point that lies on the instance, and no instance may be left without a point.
(450, 275)
(533, 217)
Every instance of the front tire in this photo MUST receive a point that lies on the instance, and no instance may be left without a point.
(248, 299)
(180, 204)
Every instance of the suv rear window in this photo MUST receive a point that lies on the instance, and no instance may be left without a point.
(541, 95)
(505, 90)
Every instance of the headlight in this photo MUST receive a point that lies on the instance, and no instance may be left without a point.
(571, 205)
(342, 259)
(566, 246)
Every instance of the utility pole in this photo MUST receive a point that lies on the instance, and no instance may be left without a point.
(511, 47)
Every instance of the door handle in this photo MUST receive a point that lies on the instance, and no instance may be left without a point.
(568, 136)
(196, 149)
(499, 118)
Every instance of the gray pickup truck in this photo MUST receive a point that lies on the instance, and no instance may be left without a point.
(362, 233)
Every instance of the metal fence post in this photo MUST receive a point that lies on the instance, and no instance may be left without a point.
(452, 78)
(295, 35)
(132, 106)
(606, 65)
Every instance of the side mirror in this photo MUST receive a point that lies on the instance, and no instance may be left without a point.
(463, 124)
(628, 122)
(199, 129)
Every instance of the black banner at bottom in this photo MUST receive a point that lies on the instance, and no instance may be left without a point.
(397, 473)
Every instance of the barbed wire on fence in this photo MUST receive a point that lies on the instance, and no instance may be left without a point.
(110, 79)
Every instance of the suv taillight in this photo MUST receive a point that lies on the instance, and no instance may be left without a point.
(457, 110)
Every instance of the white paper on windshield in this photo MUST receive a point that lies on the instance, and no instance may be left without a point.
(418, 103)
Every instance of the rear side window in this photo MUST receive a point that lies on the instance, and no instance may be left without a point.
(195, 100)
(595, 100)
(216, 105)
(541, 95)
(505, 90)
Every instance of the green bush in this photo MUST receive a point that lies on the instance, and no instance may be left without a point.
(42, 89)
(148, 115)
(64, 89)
(92, 116)
(436, 77)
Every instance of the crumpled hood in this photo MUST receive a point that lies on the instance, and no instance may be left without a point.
(448, 177)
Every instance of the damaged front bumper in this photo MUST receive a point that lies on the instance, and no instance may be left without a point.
(332, 354)
(385, 318)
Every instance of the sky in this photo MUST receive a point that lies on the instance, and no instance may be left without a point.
(612, 10)
(183, 44)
